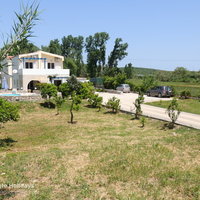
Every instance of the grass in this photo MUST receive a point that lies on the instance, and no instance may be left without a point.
(186, 105)
(103, 156)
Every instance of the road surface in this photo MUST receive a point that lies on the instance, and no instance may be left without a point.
(126, 102)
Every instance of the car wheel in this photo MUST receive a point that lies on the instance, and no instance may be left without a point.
(148, 94)
(159, 95)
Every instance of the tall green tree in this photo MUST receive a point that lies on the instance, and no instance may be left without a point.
(72, 47)
(21, 30)
(118, 53)
(69, 63)
(55, 47)
(129, 70)
(27, 47)
(96, 53)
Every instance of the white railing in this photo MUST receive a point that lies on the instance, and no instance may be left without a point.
(48, 72)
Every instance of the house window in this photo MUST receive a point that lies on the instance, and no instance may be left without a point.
(51, 66)
(29, 65)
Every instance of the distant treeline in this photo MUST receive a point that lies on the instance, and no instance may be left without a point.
(180, 74)
(98, 65)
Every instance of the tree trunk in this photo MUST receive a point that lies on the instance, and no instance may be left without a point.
(71, 112)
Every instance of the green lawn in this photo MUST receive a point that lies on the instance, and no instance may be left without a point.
(186, 105)
(102, 156)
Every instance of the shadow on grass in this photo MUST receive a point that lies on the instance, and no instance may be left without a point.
(89, 106)
(168, 125)
(7, 142)
(6, 194)
(48, 104)
(110, 112)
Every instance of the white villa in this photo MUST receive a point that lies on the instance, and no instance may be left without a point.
(24, 71)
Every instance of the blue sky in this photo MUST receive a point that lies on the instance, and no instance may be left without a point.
(162, 34)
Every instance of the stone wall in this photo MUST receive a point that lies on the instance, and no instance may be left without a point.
(22, 98)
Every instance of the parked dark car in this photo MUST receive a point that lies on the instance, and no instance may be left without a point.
(160, 91)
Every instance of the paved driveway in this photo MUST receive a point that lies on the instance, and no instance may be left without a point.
(126, 100)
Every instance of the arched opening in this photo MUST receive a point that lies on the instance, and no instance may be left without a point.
(33, 85)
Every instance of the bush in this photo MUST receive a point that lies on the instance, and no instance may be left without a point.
(48, 90)
(113, 82)
(58, 102)
(185, 94)
(173, 112)
(87, 90)
(137, 104)
(64, 89)
(174, 92)
(75, 105)
(131, 84)
(114, 104)
(142, 121)
(8, 111)
(95, 101)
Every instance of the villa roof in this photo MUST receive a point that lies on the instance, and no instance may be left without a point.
(40, 53)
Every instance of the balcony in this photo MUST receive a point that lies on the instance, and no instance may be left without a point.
(45, 72)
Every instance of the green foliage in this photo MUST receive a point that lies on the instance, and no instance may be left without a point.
(147, 83)
(114, 104)
(137, 104)
(69, 63)
(87, 89)
(95, 101)
(75, 105)
(173, 112)
(113, 82)
(143, 121)
(118, 53)
(186, 94)
(22, 30)
(72, 49)
(96, 53)
(64, 89)
(111, 71)
(129, 71)
(8, 111)
(48, 90)
(133, 86)
(55, 47)
(27, 47)
(58, 102)
(74, 85)
(180, 74)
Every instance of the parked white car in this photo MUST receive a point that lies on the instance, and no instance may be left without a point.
(124, 88)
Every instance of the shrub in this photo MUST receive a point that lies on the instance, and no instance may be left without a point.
(95, 101)
(64, 89)
(114, 104)
(113, 82)
(173, 111)
(137, 104)
(58, 102)
(174, 91)
(142, 121)
(48, 90)
(8, 111)
(76, 100)
(109, 82)
(131, 84)
(86, 90)
(185, 94)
